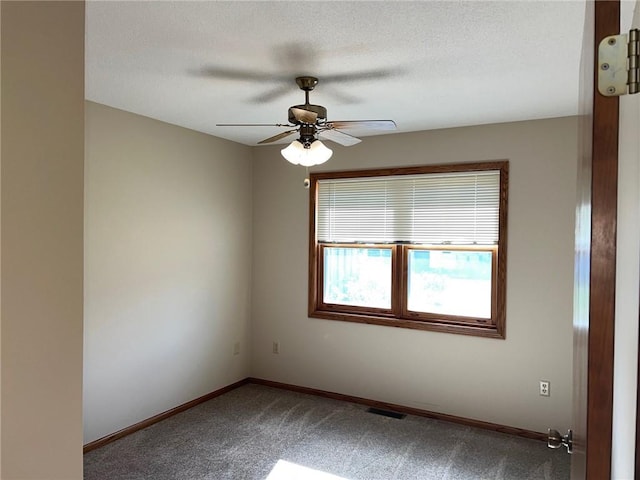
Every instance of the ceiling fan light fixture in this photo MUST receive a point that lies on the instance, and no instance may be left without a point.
(307, 154)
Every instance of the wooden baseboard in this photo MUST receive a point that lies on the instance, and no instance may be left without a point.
(402, 409)
(161, 416)
(320, 393)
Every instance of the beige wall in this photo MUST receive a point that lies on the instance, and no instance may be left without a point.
(168, 215)
(487, 379)
(42, 230)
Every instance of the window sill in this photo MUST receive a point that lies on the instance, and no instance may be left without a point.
(489, 331)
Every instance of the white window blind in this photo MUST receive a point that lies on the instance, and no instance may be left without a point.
(458, 208)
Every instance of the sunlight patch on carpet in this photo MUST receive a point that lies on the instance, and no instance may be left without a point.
(284, 470)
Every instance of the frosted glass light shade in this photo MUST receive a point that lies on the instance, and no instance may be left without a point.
(315, 154)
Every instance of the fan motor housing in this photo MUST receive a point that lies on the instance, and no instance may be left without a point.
(317, 109)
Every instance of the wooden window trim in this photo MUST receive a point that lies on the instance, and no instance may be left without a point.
(496, 328)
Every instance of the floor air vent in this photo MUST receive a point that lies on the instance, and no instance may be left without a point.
(386, 413)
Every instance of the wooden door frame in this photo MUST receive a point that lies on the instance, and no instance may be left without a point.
(636, 473)
(604, 196)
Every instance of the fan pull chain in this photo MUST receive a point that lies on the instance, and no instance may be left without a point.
(306, 182)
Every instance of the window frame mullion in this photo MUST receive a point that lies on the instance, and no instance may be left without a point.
(398, 286)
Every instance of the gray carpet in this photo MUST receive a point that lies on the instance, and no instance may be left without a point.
(259, 433)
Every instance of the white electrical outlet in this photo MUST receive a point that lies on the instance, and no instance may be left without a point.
(276, 348)
(545, 388)
(236, 348)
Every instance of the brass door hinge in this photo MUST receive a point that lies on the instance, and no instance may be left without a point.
(618, 63)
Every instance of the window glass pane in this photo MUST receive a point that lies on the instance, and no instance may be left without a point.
(357, 276)
(451, 282)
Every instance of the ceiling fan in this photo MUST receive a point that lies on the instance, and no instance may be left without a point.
(310, 121)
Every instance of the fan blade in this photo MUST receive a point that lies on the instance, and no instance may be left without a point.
(229, 73)
(253, 125)
(337, 136)
(277, 137)
(304, 116)
(271, 94)
(363, 75)
(362, 124)
(342, 97)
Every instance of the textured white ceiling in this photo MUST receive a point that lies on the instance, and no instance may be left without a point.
(424, 64)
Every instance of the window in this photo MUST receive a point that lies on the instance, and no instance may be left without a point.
(417, 247)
